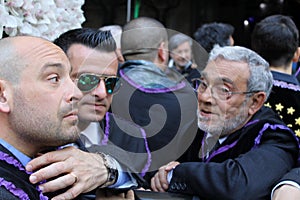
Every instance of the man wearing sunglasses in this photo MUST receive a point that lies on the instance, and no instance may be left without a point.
(121, 146)
(245, 147)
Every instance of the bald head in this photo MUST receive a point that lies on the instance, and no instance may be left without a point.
(19, 52)
(141, 37)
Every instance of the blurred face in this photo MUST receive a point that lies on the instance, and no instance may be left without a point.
(222, 116)
(182, 54)
(95, 103)
(44, 109)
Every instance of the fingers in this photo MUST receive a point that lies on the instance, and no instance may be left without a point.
(130, 195)
(159, 182)
(171, 165)
(69, 194)
(49, 158)
(58, 183)
(75, 177)
(70, 167)
(48, 172)
(286, 192)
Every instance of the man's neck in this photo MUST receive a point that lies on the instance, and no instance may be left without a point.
(82, 125)
(282, 69)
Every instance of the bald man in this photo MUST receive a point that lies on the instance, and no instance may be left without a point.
(158, 99)
(38, 109)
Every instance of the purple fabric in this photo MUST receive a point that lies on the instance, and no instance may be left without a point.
(286, 85)
(257, 140)
(265, 127)
(221, 150)
(14, 190)
(12, 161)
(251, 122)
(146, 168)
(106, 132)
(10, 186)
(152, 90)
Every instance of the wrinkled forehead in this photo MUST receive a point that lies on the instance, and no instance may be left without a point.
(232, 71)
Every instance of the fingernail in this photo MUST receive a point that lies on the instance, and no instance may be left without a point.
(29, 168)
(32, 179)
(41, 188)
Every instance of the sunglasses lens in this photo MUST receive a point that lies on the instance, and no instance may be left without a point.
(87, 82)
(111, 85)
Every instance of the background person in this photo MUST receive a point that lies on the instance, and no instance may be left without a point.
(164, 104)
(181, 53)
(276, 38)
(214, 33)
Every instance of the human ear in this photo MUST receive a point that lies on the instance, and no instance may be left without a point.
(296, 55)
(257, 101)
(163, 52)
(4, 96)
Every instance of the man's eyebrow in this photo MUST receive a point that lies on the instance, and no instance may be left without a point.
(219, 79)
(226, 80)
(52, 65)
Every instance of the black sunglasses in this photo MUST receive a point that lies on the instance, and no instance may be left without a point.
(87, 82)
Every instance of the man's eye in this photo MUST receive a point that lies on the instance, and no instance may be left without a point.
(54, 78)
(223, 89)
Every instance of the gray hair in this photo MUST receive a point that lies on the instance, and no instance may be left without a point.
(260, 79)
(177, 40)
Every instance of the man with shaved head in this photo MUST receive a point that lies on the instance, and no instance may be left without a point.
(158, 99)
(38, 109)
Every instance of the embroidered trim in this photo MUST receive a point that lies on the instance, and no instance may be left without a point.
(10, 186)
(265, 127)
(152, 90)
(149, 160)
(221, 150)
(286, 85)
(257, 140)
(13, 189)
(106, 132)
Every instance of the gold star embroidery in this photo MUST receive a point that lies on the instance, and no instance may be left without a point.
(297, 121)
(297, 132)
(279, 107)
(268, 105)
(290, 125)
(290, 111)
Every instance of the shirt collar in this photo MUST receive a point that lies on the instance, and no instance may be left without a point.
(24, 159)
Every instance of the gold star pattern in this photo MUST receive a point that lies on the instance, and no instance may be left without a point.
(297, 132)
(290, 111)
(279, 107)
(268, 105)
(297, 121)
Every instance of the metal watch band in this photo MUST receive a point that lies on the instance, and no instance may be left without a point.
(112, 171)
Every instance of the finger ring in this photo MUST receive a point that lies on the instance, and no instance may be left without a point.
(76, 178)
